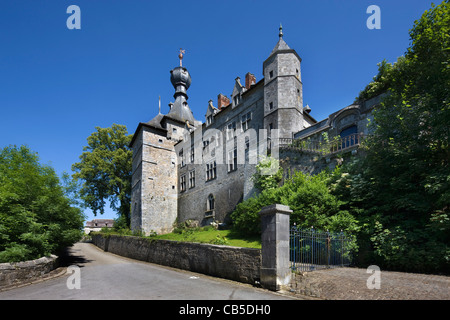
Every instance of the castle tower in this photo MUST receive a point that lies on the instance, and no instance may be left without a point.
(283, 90)
(154, 183)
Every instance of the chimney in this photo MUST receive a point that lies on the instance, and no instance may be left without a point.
(222, 101)
(249, 80)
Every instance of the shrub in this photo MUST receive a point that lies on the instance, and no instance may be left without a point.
(309, 198)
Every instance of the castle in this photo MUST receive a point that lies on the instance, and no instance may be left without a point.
(185, 169)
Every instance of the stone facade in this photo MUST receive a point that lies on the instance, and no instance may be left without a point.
(154, 181)
(329, 142)
(185, 169)
(355, 115)
(230, 181)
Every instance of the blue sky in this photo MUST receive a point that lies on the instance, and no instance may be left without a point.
(57, 84)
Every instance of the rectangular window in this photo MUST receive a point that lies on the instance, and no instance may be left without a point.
(245, 120)
(231, 128)
(271, 106)
(211, 170)
(247, 149)
(192, 154)
(181, 156)
(192, 179)
(232, 160)
(269, 140)
(183, 183)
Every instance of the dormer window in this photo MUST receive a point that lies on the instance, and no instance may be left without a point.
(210, 112)
(209, 120)
(236, 100)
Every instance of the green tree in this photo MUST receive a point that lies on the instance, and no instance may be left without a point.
(309, 198)
(380, 84)
(36, 217)
(401, 188)
(104, 171)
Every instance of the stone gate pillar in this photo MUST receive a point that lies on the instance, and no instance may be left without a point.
(275, 272)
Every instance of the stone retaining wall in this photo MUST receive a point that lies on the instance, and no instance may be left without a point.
(19, 272)
(239, 264)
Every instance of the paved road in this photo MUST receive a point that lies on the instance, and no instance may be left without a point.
(107, 276)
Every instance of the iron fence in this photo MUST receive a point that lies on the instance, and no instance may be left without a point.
(311, 249)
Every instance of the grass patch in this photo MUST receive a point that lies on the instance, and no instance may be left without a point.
(206, 234)
(213, 236)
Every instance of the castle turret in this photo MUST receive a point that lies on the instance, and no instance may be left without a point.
(181, 81)
(283, 90)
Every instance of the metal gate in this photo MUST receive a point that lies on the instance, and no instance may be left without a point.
(311, 249)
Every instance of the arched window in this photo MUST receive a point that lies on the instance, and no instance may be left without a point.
(210, 204)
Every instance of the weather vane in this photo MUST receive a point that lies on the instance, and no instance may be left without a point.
(181, 56)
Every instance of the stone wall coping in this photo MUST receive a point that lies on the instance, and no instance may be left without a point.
(27, 264)
(18, 273)
(275, 208)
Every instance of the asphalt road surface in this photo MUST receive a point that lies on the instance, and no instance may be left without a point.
(102, 275)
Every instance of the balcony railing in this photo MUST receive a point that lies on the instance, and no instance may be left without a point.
(337, 145)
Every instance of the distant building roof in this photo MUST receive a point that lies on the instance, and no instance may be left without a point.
(100, 223)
